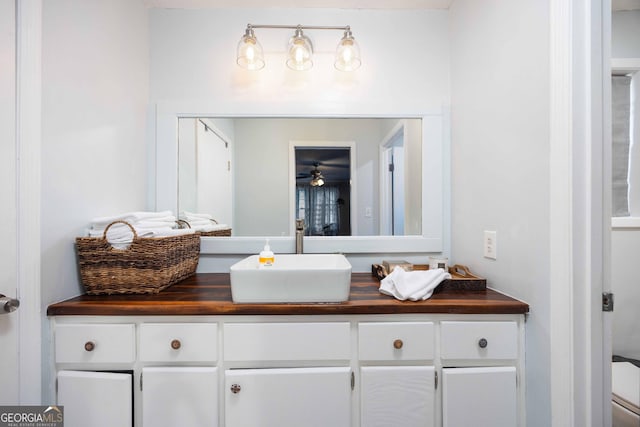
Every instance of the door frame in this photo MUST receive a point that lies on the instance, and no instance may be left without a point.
(28, 176)
(580, 163)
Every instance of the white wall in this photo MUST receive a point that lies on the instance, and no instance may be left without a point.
(500, 163)
(94, 99)
(625, 41)
(404, 54)
(625, 242)
(625, 247)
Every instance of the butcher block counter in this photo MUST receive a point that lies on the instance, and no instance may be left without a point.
(210, 294)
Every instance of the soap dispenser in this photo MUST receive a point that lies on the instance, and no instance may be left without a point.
(266, 258)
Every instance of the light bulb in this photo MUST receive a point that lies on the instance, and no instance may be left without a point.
(347, 53)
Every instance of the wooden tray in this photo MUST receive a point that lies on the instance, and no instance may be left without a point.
(461, 278)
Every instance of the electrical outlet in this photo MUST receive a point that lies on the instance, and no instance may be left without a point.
(490, 245)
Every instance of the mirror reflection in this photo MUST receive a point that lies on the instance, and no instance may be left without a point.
(256, 174)
(323, 190)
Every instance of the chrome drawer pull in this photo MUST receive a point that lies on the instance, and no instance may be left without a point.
(483, 343)
(235, 388)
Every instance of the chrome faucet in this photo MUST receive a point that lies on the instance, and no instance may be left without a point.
(299, 235)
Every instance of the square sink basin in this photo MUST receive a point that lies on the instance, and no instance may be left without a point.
(292, 279)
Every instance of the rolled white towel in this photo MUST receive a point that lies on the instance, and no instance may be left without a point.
(412, 285)
(122, 232)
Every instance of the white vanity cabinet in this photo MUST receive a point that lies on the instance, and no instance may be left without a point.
(397, 374)
(278, 397)
(95, 399)
(479, 375)
(276, 374)
(179, 396)
(346, 370)
(175, 393)
(95, 382)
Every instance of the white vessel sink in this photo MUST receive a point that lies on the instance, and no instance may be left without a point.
(292, 278)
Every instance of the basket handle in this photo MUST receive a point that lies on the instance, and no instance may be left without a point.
(214, 221)
(460, 269)
(182, 222)
(133, 230)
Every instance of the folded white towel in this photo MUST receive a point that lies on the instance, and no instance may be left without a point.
(210, 227)
(193, 215)
(131, 217)
(412, 285)
(200, 222)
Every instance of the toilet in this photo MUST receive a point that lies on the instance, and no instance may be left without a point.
(625, 387)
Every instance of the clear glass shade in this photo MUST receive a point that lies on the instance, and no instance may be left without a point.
(347, 54)
(249, 52)
(300, 52)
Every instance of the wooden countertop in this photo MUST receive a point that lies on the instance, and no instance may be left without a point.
(210, 294)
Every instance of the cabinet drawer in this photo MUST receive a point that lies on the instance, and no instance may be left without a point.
(178, 342)
(479, 340)
(287, 341)
(89, 343)
(396, 341)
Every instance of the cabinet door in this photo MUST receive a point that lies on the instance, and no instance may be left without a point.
(398, 396)
(179, 396)
(290, 397)
(479, 397)
(95, 399)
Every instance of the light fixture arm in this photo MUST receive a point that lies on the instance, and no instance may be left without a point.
(300, 27)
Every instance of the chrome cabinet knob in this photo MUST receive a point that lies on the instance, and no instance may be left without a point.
(8, 305)
(235, 388)
(482, 343)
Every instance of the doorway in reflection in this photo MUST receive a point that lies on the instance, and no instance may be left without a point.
(323, 190)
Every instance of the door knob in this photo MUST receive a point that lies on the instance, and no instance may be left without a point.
(7, 305)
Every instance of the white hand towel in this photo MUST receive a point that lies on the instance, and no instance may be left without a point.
(412, 285)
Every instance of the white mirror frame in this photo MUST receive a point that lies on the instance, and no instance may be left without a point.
(434, 170)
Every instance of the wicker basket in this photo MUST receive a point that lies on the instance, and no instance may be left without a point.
(147, 266)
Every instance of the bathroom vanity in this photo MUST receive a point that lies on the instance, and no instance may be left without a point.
(189, 356)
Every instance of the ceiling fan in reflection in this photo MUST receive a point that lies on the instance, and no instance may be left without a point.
(317, 180)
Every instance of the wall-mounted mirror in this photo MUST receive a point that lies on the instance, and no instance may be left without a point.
(257, 174)
(243, 169)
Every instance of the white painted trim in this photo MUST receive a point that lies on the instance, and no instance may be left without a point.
(625, 64)
(384, 180)
(560, 225)
(622, 222)
(433, 172)
(579, 212)
(353, 197)
(28, 144)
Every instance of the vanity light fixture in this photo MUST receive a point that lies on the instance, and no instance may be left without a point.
(299, 49)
